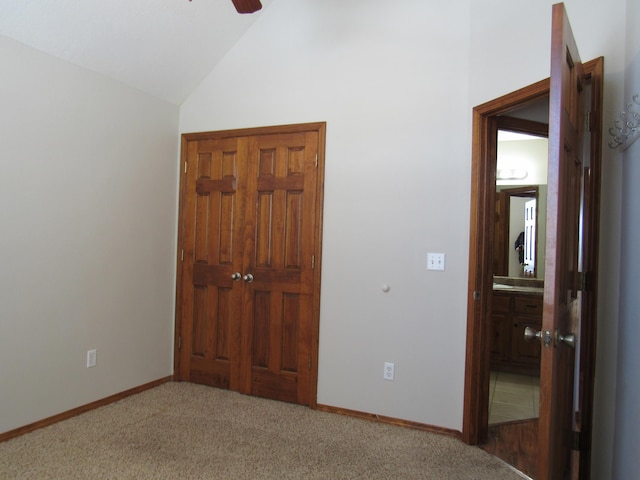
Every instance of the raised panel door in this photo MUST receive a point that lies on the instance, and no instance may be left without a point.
(248, 279)
(211, 302)
(279, 253)
(562, 300)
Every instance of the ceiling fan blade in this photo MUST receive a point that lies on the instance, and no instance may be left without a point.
(247, 6)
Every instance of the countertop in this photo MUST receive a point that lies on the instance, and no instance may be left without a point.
(518, 285)
(499, 287)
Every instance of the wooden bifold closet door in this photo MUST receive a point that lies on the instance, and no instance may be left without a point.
(249, 260)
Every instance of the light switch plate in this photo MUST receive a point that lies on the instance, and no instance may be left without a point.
(435, 261)
(91, 358)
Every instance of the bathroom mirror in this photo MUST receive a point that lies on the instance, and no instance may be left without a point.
(521, 184)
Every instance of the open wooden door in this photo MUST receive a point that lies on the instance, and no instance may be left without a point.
(562, 442)
(562, 291)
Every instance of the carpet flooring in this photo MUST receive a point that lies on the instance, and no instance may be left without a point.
(187, 431)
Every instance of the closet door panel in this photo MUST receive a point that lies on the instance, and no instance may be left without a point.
(279, 254)
(212, 254)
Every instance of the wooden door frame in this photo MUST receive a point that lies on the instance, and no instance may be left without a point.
(483, 180)
(320, 128)
(482, 230)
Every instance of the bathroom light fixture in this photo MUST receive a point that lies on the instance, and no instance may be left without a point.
(511, 174)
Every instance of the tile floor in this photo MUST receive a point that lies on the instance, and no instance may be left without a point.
(512, 397)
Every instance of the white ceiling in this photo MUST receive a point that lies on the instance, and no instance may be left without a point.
(162, 47)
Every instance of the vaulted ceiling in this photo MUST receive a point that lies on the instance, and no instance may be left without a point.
(162, 47)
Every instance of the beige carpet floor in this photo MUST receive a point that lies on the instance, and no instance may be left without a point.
(186, 431)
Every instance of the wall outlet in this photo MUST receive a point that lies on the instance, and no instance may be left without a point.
(91, 358)
(389, 370)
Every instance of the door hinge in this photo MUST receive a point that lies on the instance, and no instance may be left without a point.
(587, 125)
(583, 281)
(313, 262)
(182, 255)
(179, 343)
(185, 167)
(576, 441)
(309, 362)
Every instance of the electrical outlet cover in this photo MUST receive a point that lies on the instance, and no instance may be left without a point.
(389, 370)
(91, 358)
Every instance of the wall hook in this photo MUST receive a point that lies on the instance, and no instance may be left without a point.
(626, 129)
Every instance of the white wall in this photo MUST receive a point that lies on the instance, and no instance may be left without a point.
(626, 462)
(390, 79)
(88, 177)
(396, 82)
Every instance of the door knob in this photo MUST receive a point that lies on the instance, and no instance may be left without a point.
(569, 339)
(236, 276)
(530, 334)
(545, 337)
(248, 278)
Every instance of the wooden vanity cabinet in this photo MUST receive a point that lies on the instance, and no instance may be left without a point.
(500, 329)
(511, 313)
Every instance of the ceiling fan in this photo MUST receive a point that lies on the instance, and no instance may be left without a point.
(246, 6)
